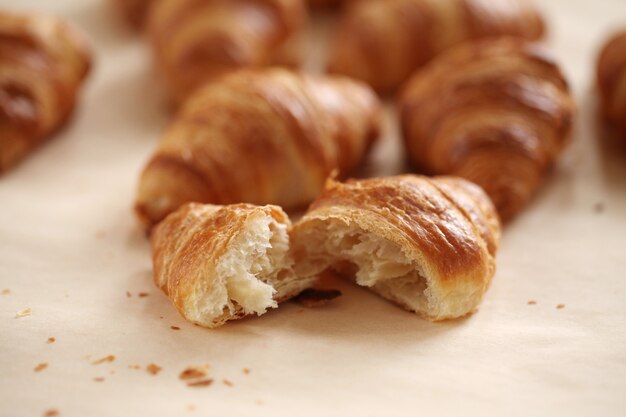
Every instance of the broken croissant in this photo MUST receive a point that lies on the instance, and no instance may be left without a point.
(611, 72)
(197, 40)
(263, 137)
(425, 244)
(382, 42)
(43, 62)
(497, 113)
(220, 263)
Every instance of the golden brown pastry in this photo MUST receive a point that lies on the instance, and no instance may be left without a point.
(427, 244)
(382, 42)
(263, 137)
(196, 40)
(220, 263)
(326, 3)
(134, 11)
(495, 112)
(612, 80)
(43, 62)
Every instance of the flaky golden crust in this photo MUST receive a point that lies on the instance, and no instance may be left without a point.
(134, 11)
(445, 225)
(611, 73)
(262, 137)
(43, 62)
(197, 40)
(497, 112)
(187, 247)
(382, 42)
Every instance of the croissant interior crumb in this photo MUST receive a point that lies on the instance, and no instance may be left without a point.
(247, 275)
(374, 262)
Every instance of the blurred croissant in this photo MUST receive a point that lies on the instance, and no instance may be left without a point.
(220, 263)
(43, 62)
(382, 42)
(496, 112)
(325, 3)
(197, 40)
(263, 137)
(611, 72)
(427, 244)
(134, 11)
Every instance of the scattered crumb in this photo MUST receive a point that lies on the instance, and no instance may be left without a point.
(161, 317)
(134, 367)
(87, 357)
(6, 291)
(200, 383)
(153, 369)
(560, 306)
(23, 313)
(99, 379)
(259, 402)
(51, 340)
(40, 367)
(109, 358)
(532, 302)
(112, 372)
(51, 413)
(143, 294)
(312, 297)
(227, 383)
(599, 208)
(193, 373)
(128, 294)
(174, 327)
(246, 371)
(191, 407)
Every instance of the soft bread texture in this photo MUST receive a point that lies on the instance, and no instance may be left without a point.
(497, 113)
(261, 137)
(43, 62)
(382, 42)
(134, 12)
(197, 40)
(426, 244)
(611, 73)
(220, 263)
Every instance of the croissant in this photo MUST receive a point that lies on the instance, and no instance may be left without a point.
(497, 113)
(326, 3)
(197, 40)
(263, 137)
(220, 263)
(43, 62)
(427, 244)
(134, 11)
(382, 42)
(611, 72)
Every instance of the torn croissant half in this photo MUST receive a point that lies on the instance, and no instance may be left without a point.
(220, 263)
(426, 244)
